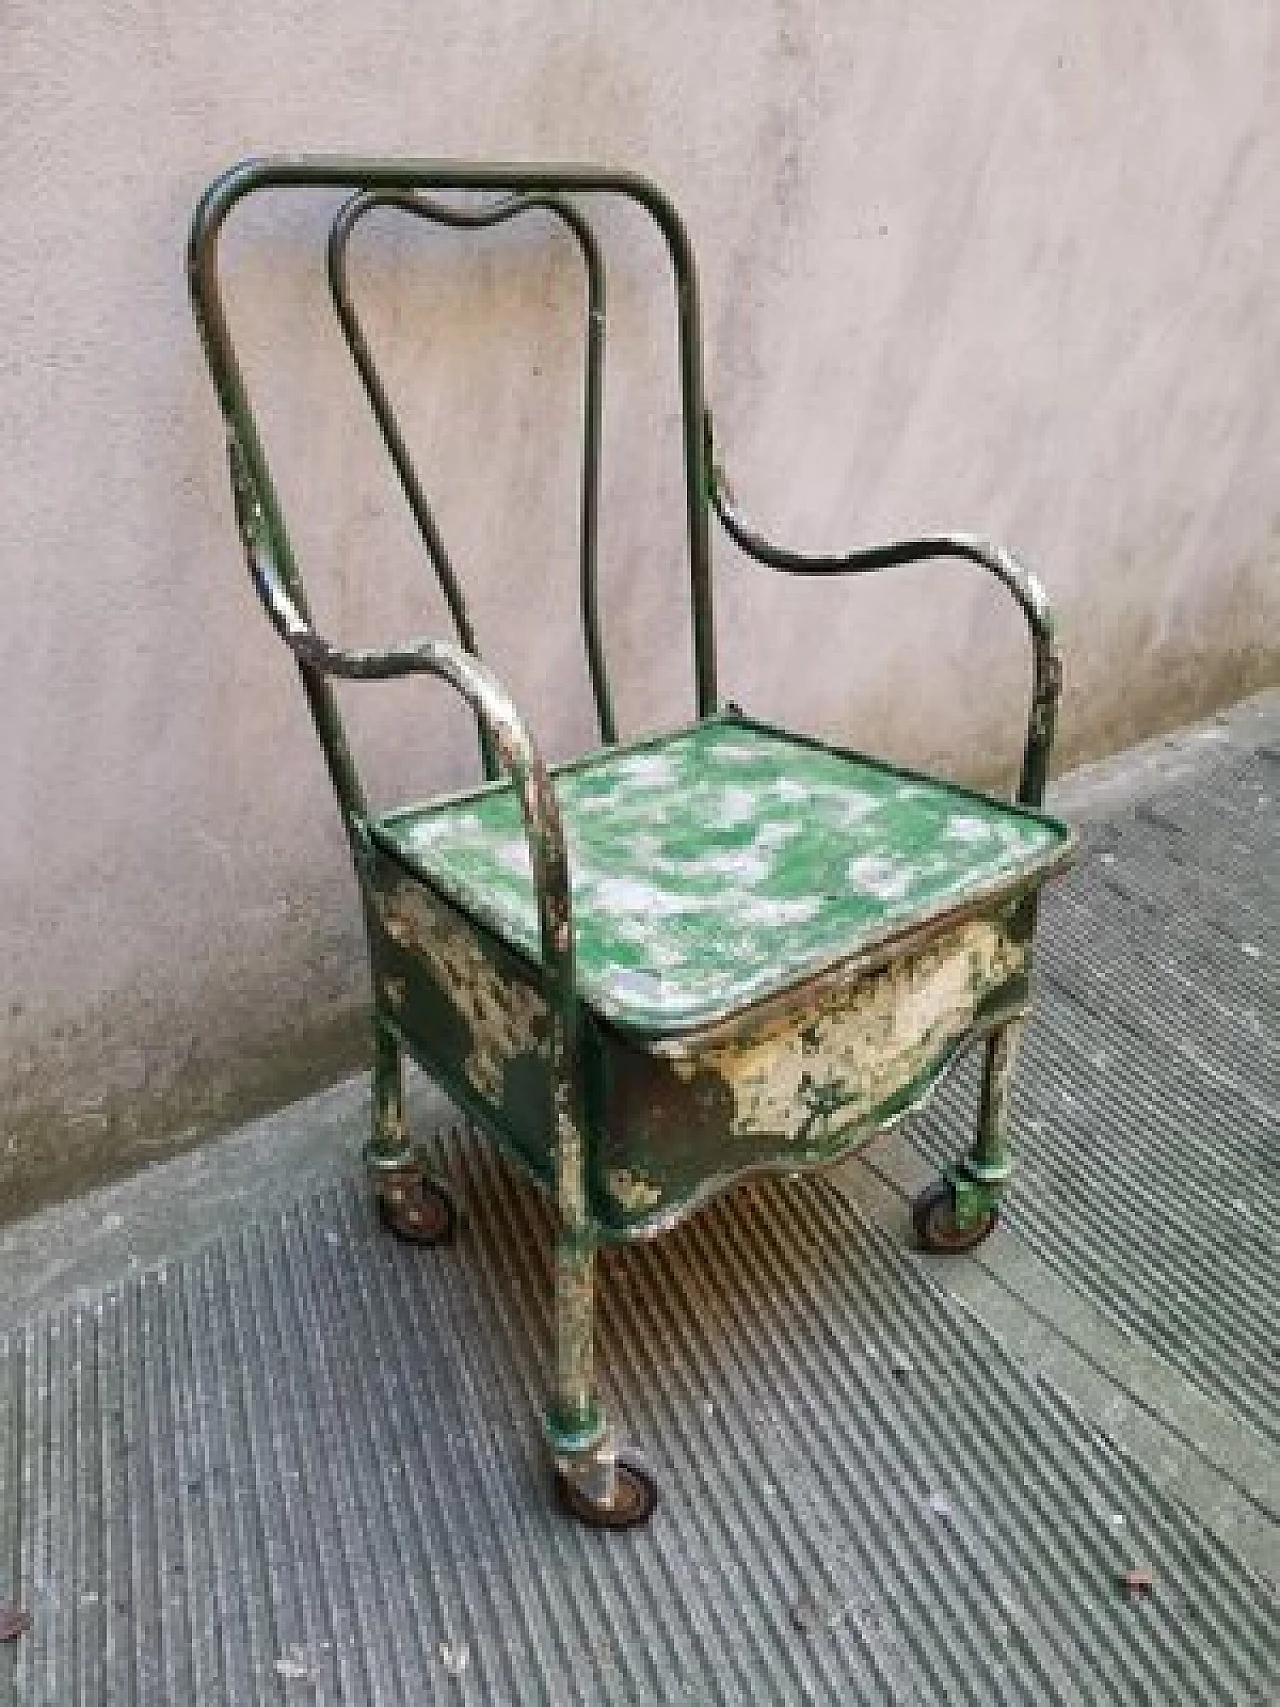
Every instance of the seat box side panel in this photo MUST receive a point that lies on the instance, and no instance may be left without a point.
(802, 1088)
(469, 1011)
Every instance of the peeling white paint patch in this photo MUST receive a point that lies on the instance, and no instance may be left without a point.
(631, 896)
(428, 831)
(856, 807)
(761, 911)
(647, 770)
(733, 808)
(746, 865)
(775, 833)
(886, 879)
(513, 856)
(624, 981)
(880, 1036)
(1019, 843)
(735, 752)
(961, 829)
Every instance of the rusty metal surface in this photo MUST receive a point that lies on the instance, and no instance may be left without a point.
(796, 1092)
(508, 746)
(302, 1466)
(672, 1128)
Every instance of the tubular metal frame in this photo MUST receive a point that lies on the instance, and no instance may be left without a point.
(575, 1426)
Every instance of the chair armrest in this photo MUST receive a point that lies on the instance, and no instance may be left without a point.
(501, 722)
(1024, 587)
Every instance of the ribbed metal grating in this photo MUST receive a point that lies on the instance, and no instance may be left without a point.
(11, 1440)
(1147, 1105)
(304, 1467)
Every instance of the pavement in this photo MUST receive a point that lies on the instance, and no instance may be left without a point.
(253, 1451)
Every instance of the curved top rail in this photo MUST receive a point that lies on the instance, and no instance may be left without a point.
(348, 217)
(371, 174)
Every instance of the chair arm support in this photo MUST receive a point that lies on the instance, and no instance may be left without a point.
(1024, 587)
(497, 715)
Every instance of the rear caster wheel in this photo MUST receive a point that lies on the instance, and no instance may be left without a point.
(416, 1210)
(635, 1496)
(933, 1215)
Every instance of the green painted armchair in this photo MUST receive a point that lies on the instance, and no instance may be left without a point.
(681, 960)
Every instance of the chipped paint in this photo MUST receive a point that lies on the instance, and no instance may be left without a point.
(576, 1411)
(504, 1019)
(805, 1082)
(885, 878)
(721, 864)
(389, 1146)
(632, 1191)
(673, 921)
(989, 1159)
(646, 770)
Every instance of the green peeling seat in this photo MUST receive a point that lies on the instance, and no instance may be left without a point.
(721, 865)
(676, 962)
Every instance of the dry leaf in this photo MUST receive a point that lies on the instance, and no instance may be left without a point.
(14, 1622)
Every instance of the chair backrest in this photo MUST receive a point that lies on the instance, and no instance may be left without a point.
(495, 194)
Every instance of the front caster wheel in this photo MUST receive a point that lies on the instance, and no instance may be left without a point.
(933, 1215)
(635, 1495)
(416, 1210)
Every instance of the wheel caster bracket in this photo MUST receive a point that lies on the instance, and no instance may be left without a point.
(955, 1213)
(412, 1204)
(603, 1488)
(971, 1198)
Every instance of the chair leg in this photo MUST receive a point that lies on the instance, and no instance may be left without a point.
(959, 1210)
(989, 1162)
(594, 1483)
(412, 1203)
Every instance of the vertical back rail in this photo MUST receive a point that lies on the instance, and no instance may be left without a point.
(352, 212)
(251, 473)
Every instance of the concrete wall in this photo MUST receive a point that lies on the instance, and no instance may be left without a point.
(1008, 267)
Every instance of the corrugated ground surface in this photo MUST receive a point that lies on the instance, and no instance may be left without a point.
(303, 1467)
(1147, 1106)
(300, 1465)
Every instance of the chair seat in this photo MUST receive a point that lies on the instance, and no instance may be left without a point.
(724, 863)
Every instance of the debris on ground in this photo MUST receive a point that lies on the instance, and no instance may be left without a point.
(455, 1657)
(14, 1622)
(297, 1666)
(1138, 1583)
